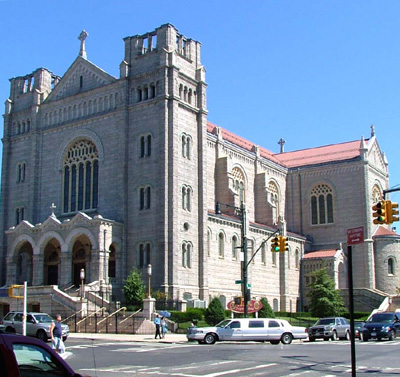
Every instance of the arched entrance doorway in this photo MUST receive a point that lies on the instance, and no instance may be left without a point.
(51, 262)
(80, 259)
(24, 264)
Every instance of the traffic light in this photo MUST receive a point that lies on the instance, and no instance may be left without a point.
(380, 212)
(392, 213)
(11, 291)
(275, 244)
(283, 245)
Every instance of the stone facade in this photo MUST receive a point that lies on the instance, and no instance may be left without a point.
(110, 174)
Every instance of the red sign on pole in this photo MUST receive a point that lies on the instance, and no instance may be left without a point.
(355, 236)
(253, 306)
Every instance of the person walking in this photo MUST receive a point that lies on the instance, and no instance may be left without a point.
(56, 335)
(163, 327)
(157, 322)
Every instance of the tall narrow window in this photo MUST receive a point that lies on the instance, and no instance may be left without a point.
(141, 206)
(297, 258)
(390, 266)
(148, 197)
(184, 256)
(234, 248)
(238, 183)
(208, 242)
(263, 254)
(145, 146)
(221, 245)
(321, 205)
(80, 186)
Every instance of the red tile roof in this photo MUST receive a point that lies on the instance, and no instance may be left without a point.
(328, 153)
(304, 157)
(321, 254)
(382, 231)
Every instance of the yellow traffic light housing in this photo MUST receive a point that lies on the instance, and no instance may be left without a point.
(275, 244)
(380, 212)
(283, 245)
(392, 214)
(11, 291)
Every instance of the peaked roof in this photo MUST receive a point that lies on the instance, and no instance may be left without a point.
(382, 231)
(304, 157)
(321, 254)
(319, 155)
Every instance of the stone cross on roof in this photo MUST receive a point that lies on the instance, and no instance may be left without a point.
(52, 208)
(282, 142)
(82, 36)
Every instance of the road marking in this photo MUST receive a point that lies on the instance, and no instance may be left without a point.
(298, 374)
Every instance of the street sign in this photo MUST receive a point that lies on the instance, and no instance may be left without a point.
(253, 306)
(238, 281)
(355, 236)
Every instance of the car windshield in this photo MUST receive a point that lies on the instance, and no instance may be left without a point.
(223, 323)
(326, 321)
(385, 318)
(43, 318)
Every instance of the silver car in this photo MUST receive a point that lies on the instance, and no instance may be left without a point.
(330, 328)
(37, 325)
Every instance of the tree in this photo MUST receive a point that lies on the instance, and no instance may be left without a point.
(134, 288)
(215, 312)
(324, 298)
(266, 310)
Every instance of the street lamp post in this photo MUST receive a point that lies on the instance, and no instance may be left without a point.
(241, 211)
(82, 276)
(149, 276)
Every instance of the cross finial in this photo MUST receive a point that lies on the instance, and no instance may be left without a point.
(282, 142)
(52, 208)
(372, 130)
(82, 36)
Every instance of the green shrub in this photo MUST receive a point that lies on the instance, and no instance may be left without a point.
(266, 310)
(215, 312)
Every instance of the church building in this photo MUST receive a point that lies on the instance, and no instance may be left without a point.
(104, 174)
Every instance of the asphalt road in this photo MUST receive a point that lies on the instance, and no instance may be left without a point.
(116, 358)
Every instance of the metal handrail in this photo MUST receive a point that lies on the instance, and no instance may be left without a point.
(73, 315)
(112, 314)
(91, 315)
(130, 316)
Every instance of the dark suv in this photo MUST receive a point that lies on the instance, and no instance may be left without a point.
(330, 328)
(381, 325)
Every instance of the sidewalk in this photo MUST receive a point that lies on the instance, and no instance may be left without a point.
(169, 338)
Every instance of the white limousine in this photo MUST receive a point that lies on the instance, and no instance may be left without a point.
(252, 329)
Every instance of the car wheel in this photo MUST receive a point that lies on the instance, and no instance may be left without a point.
(200, 341)
(274, 341)
(311, 339)
(335, 336)
(347, 335)
(210, 339)
(10, 330)
(326, 339)
(65, 338)
(363, 337)
(41, 335)
(287, 338)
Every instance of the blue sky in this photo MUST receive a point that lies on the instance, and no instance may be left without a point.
(315, 72)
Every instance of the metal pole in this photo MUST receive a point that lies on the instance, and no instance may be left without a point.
(244, 246)
(24, 311)
(351, 310)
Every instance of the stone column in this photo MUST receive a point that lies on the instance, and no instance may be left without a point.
(96, 267)
(65, 271)
(148, 307)
(38, 270)
(11, 271)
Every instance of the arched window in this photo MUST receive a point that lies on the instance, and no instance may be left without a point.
(273, 200)
(263, 254)
(144, 197)
(391, 266)
(186, 255)
(186, 198)
(186, 146)
(234, 247)
(19, 215)
(376, 194)
(208, 242)
(144, 254)
(81, 175)
(297, 259)
(145, 146)
(321, 205)
(21, 168)
(111, 263)
(238, 183)
(221, 245)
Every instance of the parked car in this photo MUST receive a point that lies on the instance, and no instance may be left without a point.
(330, 328)
(242, 329)
(357, 326)
(21, 356)
(381, 325)
(37, 325)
